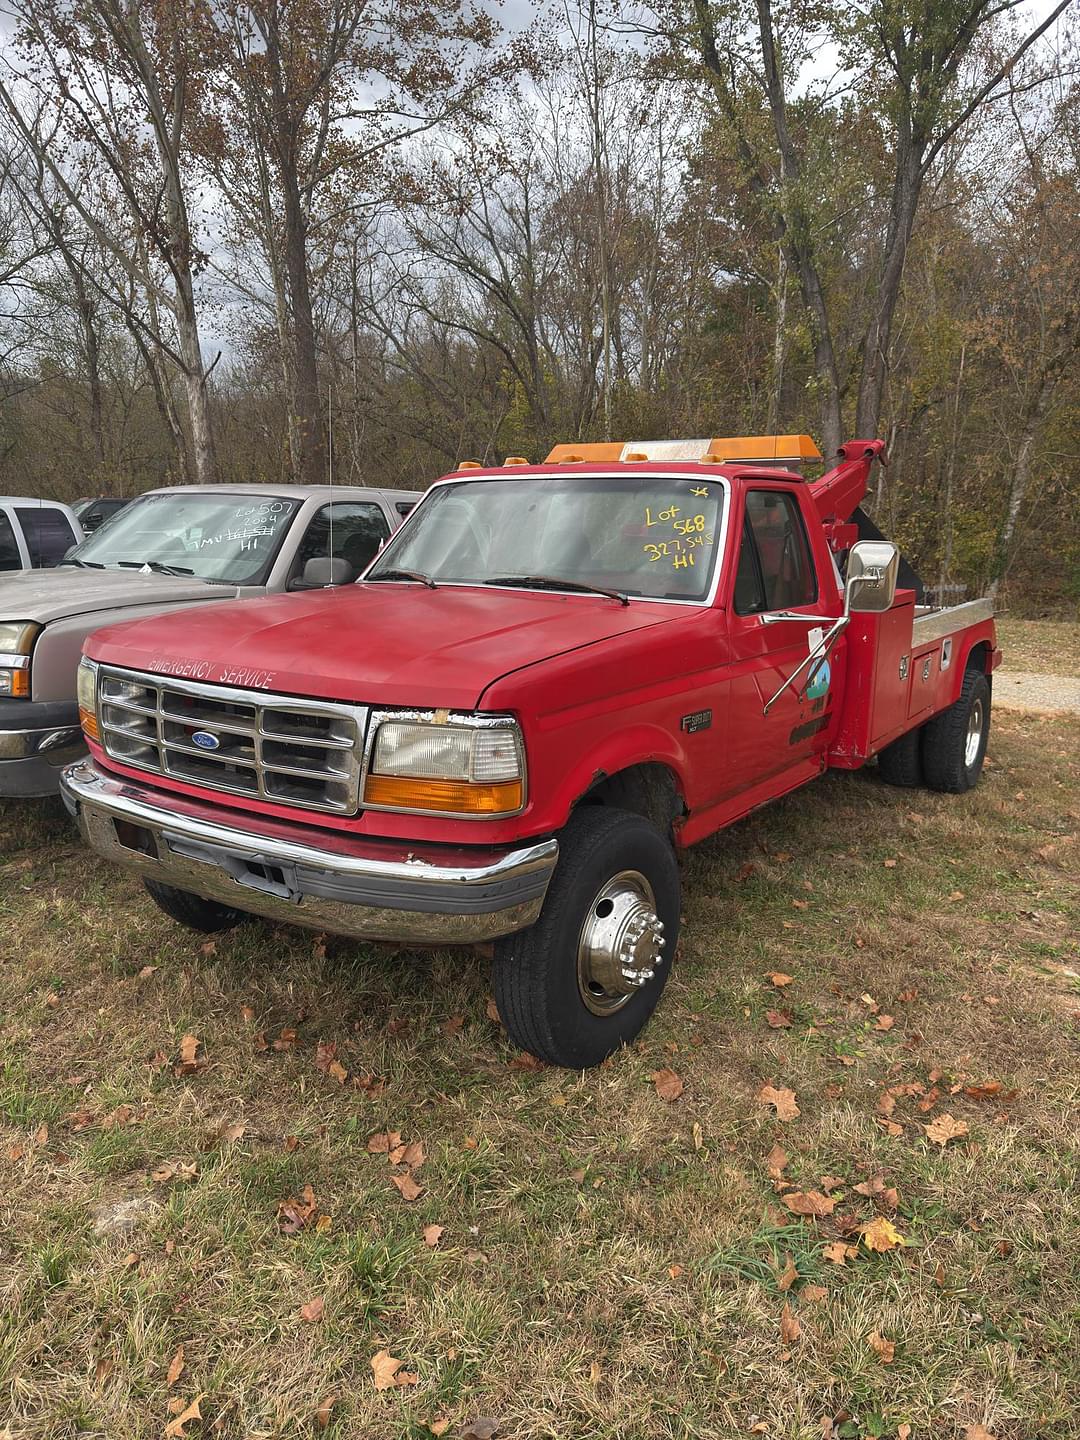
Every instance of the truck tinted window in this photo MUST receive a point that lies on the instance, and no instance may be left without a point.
(359, 530)
(47, 532)
(783, 554)
(10, 558)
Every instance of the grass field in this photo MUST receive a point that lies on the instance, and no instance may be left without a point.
(1044, 647)
(611, 1263)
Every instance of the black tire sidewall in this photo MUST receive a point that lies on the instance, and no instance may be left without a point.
(980, 689)
(592, 849)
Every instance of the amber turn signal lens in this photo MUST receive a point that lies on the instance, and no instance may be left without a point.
(20, 683)
(453, 796)
(88, 721)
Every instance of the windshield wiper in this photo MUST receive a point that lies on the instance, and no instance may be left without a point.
(158, 567)
(84, 564)
(416, 575)
(553, 582)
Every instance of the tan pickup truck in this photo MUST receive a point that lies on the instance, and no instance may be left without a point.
(169, 548)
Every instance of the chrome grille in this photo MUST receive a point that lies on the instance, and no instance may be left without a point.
(271, 747)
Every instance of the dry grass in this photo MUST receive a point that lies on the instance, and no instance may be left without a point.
(1042, 647)
(638, 1299)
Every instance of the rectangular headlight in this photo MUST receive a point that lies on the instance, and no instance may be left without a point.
(86, 690)
(16, 641)
(447, 768)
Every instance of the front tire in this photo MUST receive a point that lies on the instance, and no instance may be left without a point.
(954, 742)
(585, 978)
(209, 917)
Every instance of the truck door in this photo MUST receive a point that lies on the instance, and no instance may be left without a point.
(775, 572)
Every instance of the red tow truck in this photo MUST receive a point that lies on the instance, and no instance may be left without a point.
(551, 679)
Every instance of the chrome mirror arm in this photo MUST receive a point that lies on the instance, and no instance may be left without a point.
(836, 627)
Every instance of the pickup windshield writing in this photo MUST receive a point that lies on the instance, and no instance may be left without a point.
(652, 536)
(230, 539)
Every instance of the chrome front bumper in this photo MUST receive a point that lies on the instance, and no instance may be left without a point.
(31, 758)
(345, 884)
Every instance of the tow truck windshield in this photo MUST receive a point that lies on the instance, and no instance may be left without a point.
(650, 536)
(225, 539)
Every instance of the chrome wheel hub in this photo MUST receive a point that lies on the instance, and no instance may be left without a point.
(620, 943)
(974, 734)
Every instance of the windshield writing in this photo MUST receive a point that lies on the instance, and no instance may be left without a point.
(227, 538)
(652, 536)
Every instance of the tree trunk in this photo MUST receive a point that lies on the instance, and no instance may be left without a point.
(1034, 413)
(309, 464)
(198, 401)
(776, 380)
(875, 360)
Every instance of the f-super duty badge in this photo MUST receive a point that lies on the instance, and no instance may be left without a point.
(699, 720)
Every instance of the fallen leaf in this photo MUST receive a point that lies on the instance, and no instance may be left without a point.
(881, 1234)
(525, 1061)
(388, 1372)
(176, 1368)
(978, 1432)
(777, 1020)
(41, 1136)
(944, 1128)
(286, 1040)
(454, 1025)
(491, 1010)
(322, 1414)
(147, 971)
(884, 1022)
(809, 1202)
(413, 1155)
(294, 1214)
(176, 1427)
(783, 1101)
(790, 1329)
(787, 1276)
(812, 1293)
(247, 1012)
(675, 1271)
(313, 1310)
(668, 1085)
(324, 1224)
(189, 1047)
(439, 1426)
(697, 1135)
(325, 1054)
(903, 1432)
(232, 1133)
(102, 1370)
(407, 1186)
(800, 904)
(337, 1071)
(886, 1104)
(776, 1161)
(829, 1183)
(885, 1349)
(890, 864)
(129, 1260)
(433, 1234)
(778, 978)
(383, 1141)
(839, 1253)
(745, 871)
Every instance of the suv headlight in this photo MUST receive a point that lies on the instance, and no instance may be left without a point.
(86, 690)
(16, 641)
(446, 765)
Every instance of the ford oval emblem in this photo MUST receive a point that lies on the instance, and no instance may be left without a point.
(205, 740)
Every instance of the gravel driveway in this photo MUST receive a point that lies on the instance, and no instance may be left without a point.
(1019, 690)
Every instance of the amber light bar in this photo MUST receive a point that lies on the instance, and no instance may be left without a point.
(453, 797)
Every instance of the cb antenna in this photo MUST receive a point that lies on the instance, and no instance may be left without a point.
(330, 458)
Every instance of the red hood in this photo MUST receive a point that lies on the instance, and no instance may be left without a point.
(383, 644)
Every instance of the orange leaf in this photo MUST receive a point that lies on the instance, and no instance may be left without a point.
(668, 1085)
(787, 1276)
(776, 1161)
(790, 1329)
(176, 1369)
(783, 1101)
(176, 1427)
(388, 1373)
(838, 1252)
(439, 1425)
(492, 1012)
(413, 1155)
(884, 1022)
(383, 1141)
(322, 1414)
(189, 1046)
(313, 1310)
(338, 1071)
(812, 1293)
(433, 1234)
(945, 1128)
(232, 1133)
(777, 1020)
(886, 1349)
(454, 1025)
(778, 978)
(809, 1202)
(407, 1186)
(977, 1432)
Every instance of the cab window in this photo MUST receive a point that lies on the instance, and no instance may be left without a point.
(359, 529)
(48, 534)
(10, 559)
(775, 571)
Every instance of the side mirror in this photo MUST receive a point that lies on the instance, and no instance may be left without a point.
(871, 576)
(323, 571)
